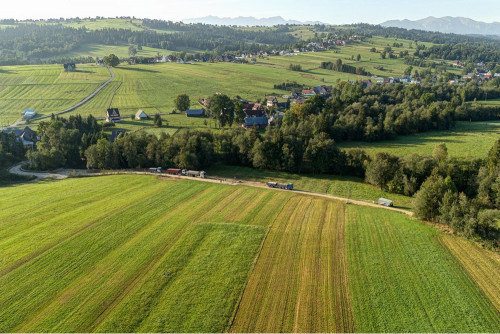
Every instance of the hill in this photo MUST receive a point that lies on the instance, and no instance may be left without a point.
(448, 24)
(246, 21)
(142, 254)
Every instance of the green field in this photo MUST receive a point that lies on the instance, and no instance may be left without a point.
(45, 88)
(403, 279)
(466, 139)
(343, 186)
(149, 254)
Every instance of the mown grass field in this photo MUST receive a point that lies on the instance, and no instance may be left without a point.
(466, 139)
(148, 254)
(403, 279)
(45, 88)
(343, 186)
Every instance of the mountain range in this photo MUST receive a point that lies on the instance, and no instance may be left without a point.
(448, 24)
(245, 21)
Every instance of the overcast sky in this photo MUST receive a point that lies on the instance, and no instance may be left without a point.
(328, 11)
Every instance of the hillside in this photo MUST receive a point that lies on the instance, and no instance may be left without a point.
(448, 24)
(187, 256)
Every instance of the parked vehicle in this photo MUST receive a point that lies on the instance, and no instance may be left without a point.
(286, 186)
(195, 173)
(385, 202)
(174, 171)
(155, 170)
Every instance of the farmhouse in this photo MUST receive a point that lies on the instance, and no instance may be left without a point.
(258, 122)
(195, 113)
(271, 101)
(28, 113)
(115, 134)
(112, 115)
(141, 115)
(70, 67)
(26, 135)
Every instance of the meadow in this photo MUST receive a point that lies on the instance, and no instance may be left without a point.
(465, 140)
(402, 277)
(152, 254)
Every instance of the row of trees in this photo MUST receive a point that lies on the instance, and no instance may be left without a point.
(339, 67)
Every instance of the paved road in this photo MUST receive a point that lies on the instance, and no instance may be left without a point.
(73, 107)
(63, 173)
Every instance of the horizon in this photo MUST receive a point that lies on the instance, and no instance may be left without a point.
(332, 12)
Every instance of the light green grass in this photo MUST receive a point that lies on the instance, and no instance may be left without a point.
(344, 186)
(402, 279)
(121, 51)
(467, 139)
(81, 248)
(46, 88)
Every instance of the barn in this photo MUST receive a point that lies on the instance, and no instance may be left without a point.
(141, 115)
(195, 113)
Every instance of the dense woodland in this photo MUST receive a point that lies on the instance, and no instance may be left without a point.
(29, 42)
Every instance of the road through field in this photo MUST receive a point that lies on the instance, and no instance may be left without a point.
(73, 107)
(63, 173)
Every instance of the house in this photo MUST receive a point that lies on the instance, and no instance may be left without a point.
(254, 113)
(70, 67)
(258, 122)
(115, 134)
(141, 115)
(276, 117)
(195, 113)
(26, 135)
(28, 113)
(271, 101)
(112, 115)
(367, 83)
(308, 92)
(99, 62)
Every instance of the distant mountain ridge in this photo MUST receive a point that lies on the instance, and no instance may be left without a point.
(245, 21)
(448, 24)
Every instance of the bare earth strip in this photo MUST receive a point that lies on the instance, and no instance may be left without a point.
(482, 265)
(299, 283)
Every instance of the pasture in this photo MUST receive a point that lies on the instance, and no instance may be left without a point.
(466, 139)
(45, 88)
(152, 254)
(401, 277)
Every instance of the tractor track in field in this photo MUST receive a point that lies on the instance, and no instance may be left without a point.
(65, 173)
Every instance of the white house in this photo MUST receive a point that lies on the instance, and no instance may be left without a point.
(141, 115)
(28, 113)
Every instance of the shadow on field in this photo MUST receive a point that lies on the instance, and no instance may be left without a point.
(138, 69)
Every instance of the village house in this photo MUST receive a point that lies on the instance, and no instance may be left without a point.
(195, 113)
(272, 101)
(141, 115)
(258, 122)
(26, 135)
(112, 115)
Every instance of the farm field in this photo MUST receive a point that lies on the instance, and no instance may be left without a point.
(299, 283)
(467, 139)
(343, 186)
(401, 277)
(150, 254)
(45, 88)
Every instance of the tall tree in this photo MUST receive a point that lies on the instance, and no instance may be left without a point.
(182, 102)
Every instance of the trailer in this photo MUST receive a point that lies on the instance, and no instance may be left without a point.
(385, 202)
(155, 170)
(286, 186)
(195, 173)
(174, 171)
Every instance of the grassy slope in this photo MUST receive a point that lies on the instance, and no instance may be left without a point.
(482, 265)
(107, 251)
(403, 279)
(343, 186)
(467, 139)
(299, 283)
(45, 88)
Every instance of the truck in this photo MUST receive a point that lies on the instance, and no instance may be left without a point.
(195, 173)
(155, 170)
(286, 186)
(174, 171)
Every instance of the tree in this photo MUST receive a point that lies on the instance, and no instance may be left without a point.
(132, 51)
(382, 169)
(239, 114)
(182, 102)
(408, 70)
(222, 108)
(111, 60)
(158, 121)
(428, 199)
(440, 152)
(358, 57)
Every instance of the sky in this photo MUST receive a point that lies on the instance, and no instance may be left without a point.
(327, 11)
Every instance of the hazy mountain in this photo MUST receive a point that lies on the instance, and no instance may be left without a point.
(448, 24)
(245, 21)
